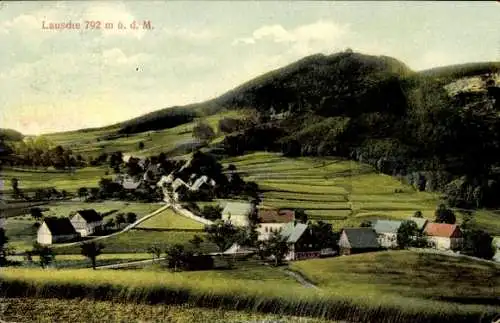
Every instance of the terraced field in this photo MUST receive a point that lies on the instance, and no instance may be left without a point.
(339, 191)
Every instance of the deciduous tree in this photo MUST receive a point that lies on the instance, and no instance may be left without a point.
(92, 250)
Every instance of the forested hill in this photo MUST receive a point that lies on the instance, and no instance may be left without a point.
(328, 85)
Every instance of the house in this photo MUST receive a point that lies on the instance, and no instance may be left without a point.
(202, 182)
(129, 183)
(357, 240)
(444, 236)
(496, 247)
(293, 233)
(238, 212)
(179, 187)
(86, 222)
(420, 222)
(387, 232)
(55, 230)
(165, 180)
(152, 172)
(273, 220)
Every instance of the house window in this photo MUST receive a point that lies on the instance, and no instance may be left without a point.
(267, 230)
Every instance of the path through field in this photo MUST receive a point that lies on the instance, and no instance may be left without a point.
(301, 279)
(127, 228)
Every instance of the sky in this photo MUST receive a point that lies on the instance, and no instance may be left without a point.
(56, 80)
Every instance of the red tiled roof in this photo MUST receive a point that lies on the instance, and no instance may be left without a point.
(275, 216)
(440, 229)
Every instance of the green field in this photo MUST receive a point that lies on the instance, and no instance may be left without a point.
(138, 241)
(83, 310)
(22, 233)
(406, 275)
(93, 142)
(342, 192)
(170, 220)
(61, 180)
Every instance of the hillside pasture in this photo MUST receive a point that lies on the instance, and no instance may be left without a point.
(30, 179)
(408, 275)
(96, 141)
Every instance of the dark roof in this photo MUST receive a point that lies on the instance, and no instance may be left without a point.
(90, 215)
(362, 237)
(276, 216)
(59, 226)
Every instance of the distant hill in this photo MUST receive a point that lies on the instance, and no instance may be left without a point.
(10, 135)
(344, 82)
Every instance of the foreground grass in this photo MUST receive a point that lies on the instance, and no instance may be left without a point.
(407, 274)
(230, 294)
(84, 310)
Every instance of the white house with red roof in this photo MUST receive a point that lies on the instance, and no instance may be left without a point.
(272, 220)
(444, 236)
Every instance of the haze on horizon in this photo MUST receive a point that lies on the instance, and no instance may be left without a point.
(71, 79)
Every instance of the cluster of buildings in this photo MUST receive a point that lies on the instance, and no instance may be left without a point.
(83, 223)
(382, 234)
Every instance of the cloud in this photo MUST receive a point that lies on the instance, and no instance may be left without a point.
(190, 35)
(318, 36)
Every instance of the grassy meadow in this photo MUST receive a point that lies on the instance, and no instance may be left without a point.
(341, 296)
(406, 274)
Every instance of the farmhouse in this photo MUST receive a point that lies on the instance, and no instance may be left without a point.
(55, 230)
(272, 220)
(420, 222)
(179, 187)
(165, 180)
(238, 212)
(357, 240)
(202, 182)
(387, 232)
(130, 184)
(444, 236)
(86, 222)
(294, 234)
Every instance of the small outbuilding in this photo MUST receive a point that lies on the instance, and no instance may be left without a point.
(358, 240)
(54, 230)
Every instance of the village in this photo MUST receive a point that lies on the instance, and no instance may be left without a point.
(286, 233)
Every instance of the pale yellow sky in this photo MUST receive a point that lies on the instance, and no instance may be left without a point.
(63, 80)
